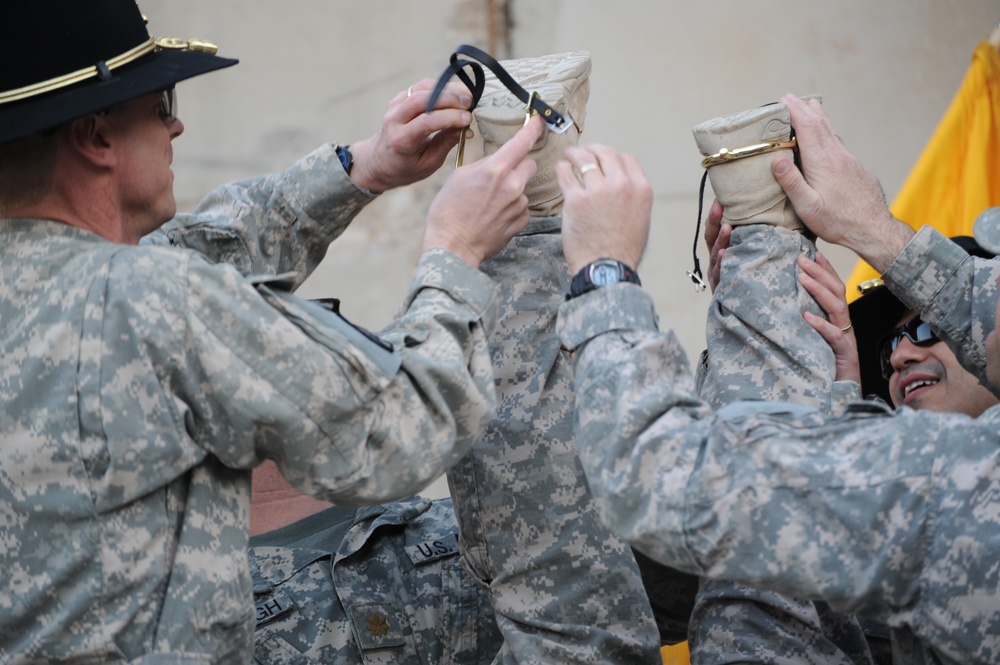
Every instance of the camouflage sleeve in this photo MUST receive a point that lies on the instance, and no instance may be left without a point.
(741, 624)
(844, 392)
(272, 224)
(773, 495)
(347, 417)
(759, 345)
(564, 589)
(955, 293)
(632, 384)
(771, 353)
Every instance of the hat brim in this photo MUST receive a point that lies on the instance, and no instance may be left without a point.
(873, 315)
(151, 73)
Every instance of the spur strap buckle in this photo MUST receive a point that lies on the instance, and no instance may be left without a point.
(531, 109)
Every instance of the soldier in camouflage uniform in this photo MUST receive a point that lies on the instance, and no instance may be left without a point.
(142, 383)
(891, 514)
(381, 584)
(764, 353)
(563, 587)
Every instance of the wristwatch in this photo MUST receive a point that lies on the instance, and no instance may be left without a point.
(601, 272)
(346, 158)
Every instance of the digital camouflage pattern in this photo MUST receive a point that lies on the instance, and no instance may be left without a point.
(759, 345)
(891, 515)
(382, 584)
(761, 348)
(736, 623)
(564, 588)
(141, 384)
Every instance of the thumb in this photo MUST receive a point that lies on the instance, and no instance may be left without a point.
(802, 196)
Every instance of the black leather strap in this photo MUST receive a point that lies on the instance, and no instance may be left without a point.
(476, 85)
(557, 122)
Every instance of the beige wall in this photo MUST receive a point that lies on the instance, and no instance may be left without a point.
(319, 70)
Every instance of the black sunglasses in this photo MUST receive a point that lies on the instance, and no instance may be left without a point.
(916, 331)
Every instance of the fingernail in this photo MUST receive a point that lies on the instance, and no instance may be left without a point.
(781, 166)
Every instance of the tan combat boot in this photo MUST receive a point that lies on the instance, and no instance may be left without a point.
(738, 151)
(561, 81)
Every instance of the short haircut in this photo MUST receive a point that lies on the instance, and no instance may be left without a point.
(26, 169)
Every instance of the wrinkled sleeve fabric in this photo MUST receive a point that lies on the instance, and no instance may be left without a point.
(767, 494)
(767, 353)
(282, 222)
(347, 417)
(954, 292)
(632, 385)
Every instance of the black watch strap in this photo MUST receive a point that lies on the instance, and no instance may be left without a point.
(601, 272)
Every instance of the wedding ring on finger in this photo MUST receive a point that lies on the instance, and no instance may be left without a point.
(587, 168)
(409, 91)
(847, 329)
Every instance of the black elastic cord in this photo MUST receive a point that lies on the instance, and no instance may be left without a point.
(478, 83)
(696, 275)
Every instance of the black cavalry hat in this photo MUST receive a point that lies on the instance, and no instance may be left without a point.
(876, 313)
(69, 58)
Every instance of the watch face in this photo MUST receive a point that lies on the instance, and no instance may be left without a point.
(603, 274)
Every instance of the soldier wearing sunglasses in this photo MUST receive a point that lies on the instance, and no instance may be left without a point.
(902, 360)
(888, 513)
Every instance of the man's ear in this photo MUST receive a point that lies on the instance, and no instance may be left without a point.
(91, 138)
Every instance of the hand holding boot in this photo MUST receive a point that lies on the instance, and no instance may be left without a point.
(837, 198)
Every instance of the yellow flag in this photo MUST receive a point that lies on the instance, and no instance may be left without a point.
(958, 174)
(676, 654)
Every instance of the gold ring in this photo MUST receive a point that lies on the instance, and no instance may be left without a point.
(848, 328)
(409, 91)
(587, 168)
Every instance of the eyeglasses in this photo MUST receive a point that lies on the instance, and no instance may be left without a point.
(916, 331)
(168, 104)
